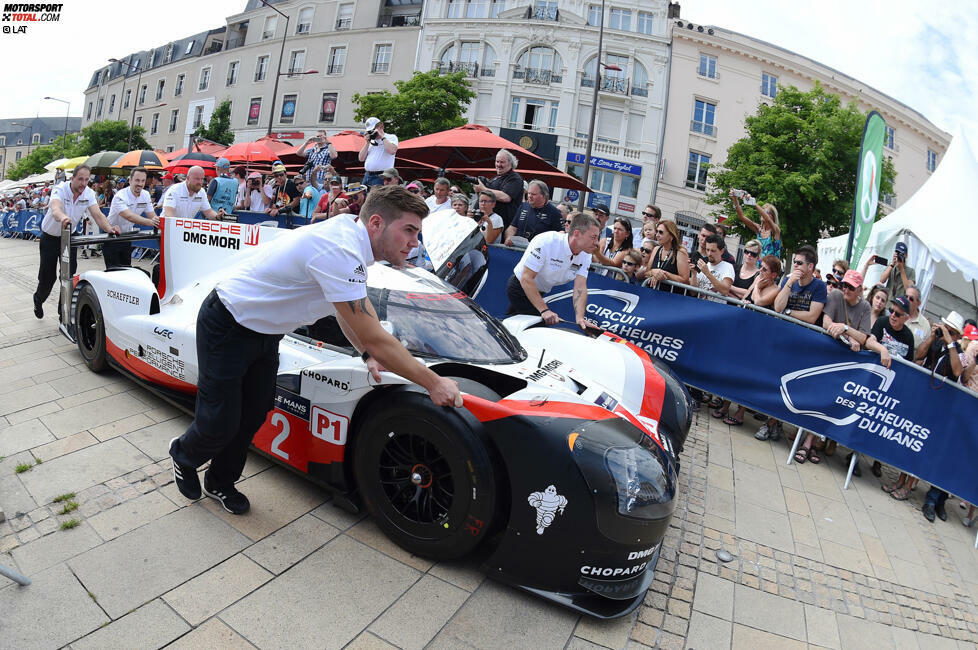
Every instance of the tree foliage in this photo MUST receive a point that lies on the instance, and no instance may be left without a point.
(110, 136)
(34, 162)
(427, 103)
(218, 129)
(801, 153)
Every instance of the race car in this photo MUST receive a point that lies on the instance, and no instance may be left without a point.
(559, 470)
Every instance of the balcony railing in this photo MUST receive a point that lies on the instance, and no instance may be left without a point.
(335, 69)
(408, 20)
(640, 91)
(380, 67)
(542, 13)
(214, 47)
(704, 128)
(537, 76)
(487, 72)
(470, 69)
(343, 23)
(232, 43)
(617, 85)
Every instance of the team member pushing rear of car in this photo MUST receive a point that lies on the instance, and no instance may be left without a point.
(297, 279)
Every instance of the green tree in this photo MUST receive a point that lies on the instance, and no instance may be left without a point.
(219, 127)
(109, 136)
(426, 103)
(800, 153)
(34, 162)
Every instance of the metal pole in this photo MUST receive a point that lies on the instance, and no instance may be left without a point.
(132, 122)
(278, 73)
(64, 138)
(594, 108)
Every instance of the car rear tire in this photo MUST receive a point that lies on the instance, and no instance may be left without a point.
(426, 477)
(90, 329)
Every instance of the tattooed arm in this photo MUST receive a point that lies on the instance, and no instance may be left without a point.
(580, 301)
(359, 322)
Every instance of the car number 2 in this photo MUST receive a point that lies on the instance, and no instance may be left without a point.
(279, 419)
(328, 426)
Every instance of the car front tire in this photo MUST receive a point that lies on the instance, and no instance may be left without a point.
(425, 476)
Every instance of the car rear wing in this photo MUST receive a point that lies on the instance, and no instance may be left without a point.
(67, 283)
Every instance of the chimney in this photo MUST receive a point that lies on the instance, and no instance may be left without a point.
(673, 10)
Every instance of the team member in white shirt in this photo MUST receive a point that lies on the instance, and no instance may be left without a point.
(300, 277)
(184, 200)
(130, 206)
(69, 202)
(554, 258)
(378, 152)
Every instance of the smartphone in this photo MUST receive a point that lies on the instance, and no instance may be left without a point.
(880, 260)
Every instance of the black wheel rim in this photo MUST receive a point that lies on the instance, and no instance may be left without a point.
(87, 328)
(416, 479)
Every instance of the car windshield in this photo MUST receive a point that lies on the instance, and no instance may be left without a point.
(444, 326)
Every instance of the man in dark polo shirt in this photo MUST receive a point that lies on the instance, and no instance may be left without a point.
(535, 216)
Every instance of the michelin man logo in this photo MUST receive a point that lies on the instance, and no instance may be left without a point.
(547, 503)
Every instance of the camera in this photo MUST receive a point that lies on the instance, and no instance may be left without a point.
(475, 180)
(738, 193)
(750, 200)
(476, 213)
(371, 135)
(901, 256)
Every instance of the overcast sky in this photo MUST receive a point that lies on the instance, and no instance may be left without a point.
(917, 52)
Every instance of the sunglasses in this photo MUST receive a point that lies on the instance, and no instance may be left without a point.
(847, 287)
(414, 191)
(567, 222)
(750, 253)
(898, 314)
(647, 251)
(798, 262)
(839, 272)
(660, 232)
(649, 215)
(278, 175)
(627, 263)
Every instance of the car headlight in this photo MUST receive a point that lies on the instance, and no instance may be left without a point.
(644, 488)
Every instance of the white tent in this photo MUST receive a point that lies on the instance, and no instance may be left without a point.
(5, 183)
(36, 179)
(936, 222)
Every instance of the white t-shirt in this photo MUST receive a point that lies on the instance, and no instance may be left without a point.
(377, 159)
(254, 201)
(720, 271)
(186, 206)
(550, 256)
(295, 279)
(76, 209)
(497, 222)
(435, 207)
(124, 200)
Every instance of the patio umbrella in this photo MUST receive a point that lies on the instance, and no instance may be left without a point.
(348, 145)
(471, 149)
(205, 161)
(250, 152)
(146, 158)
(101, 163)
(54, 164)
(201, 146)
(71, 163)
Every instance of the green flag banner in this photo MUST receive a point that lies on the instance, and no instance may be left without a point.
(867, 186)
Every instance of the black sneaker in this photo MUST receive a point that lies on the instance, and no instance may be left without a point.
(185, 477)
(38, 309)
(928, 511)
(232, 500)
(940, 512)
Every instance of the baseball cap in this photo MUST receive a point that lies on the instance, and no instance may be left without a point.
(222, 162)
(168, 177)
(371, 123)
(254, 175)
(901, 248)
(390, 172)
(853, 277)
(970, 332)
(903, 304)
(354, 188)
(335, 181)
(278, 168)
(412, 186)
(602, 207)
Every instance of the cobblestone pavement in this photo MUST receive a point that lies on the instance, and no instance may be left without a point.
(125, 561)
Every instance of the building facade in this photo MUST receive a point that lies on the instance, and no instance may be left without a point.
(332, 49)
(532, 65)
(718, 77)
(21, 135)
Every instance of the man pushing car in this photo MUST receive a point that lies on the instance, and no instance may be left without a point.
(296, 279)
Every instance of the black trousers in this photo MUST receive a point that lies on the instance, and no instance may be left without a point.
(518, 302)
(235, 392)
(47, 272)
(117, 253)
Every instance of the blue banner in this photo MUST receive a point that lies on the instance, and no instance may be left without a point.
(604, 163)
(899, 415)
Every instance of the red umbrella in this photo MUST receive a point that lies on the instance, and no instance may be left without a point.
(181, 164)
(471, 149)
(251, 152)
(202, 146)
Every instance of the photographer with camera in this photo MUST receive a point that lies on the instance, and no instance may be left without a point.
(318, 158)
(253, 199)
(485, 213)
(378, 151)
(904, 277)
(768, 231)
(507, 186)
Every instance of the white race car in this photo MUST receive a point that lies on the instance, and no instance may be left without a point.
(561, 466)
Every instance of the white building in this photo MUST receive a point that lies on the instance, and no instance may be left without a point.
(532, 64)
(719, 77)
